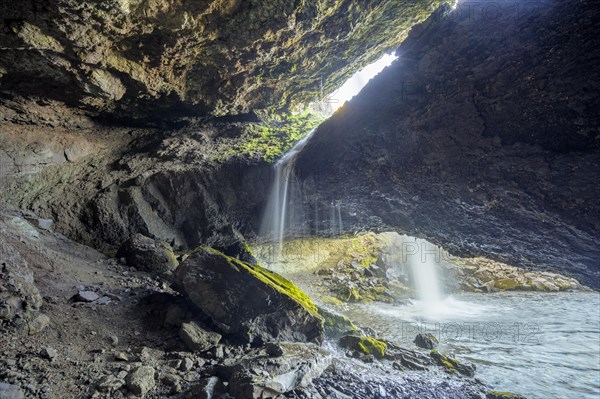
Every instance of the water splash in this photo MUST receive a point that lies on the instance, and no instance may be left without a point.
(423, 261)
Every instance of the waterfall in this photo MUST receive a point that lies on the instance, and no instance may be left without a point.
(285, 203)
(422, 259)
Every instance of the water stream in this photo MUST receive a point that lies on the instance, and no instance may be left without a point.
(285, 208)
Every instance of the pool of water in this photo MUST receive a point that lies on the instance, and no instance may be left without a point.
(541, 345)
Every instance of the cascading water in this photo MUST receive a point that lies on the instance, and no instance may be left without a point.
(285, 207)
(423, 265)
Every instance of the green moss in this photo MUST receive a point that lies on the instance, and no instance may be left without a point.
(270, 139)
(272, 279)
(445, 361)
(503, 395)
(331, 301)
(373, 346)
(506, 284)
(365, 345)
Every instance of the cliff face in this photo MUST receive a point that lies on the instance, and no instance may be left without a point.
(482, 137)
(159, 60)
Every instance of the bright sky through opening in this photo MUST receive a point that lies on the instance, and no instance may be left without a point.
(358, 81)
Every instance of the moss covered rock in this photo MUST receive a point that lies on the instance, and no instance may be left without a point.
(503, 395)
(452, 365)
(247, 301)
(336, 325)
(364, 345)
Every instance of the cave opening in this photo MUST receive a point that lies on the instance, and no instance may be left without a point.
(177, 219)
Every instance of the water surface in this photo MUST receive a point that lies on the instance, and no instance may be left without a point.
(541, 345)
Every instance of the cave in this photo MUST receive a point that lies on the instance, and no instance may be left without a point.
(336, 199)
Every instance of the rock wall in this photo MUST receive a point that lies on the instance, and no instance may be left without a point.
(482, 137)
(158, 60)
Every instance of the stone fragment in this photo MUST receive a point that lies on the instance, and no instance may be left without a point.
(141, 381)
(198, 339)
(38, 324)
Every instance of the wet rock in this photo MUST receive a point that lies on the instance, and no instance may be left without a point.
(503, 395)
(336, 325)
(426, 341)
(145, 253)
(197, 338)
(141, 380)
(364, 345)
(452, 365)
(248, 301)
(8, 391)
(261, 377)
(38, 324)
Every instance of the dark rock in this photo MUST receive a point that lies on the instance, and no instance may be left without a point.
(197, 338)
(426, 341)
(273, 349)
(407, 359)
(145, 253)
(248, 301)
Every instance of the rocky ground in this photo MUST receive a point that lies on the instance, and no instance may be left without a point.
(89, 326)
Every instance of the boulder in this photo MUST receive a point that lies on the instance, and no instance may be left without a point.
(198, 339)
(145, 253)
(426, 341)
(247, 301)
(268, 377)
